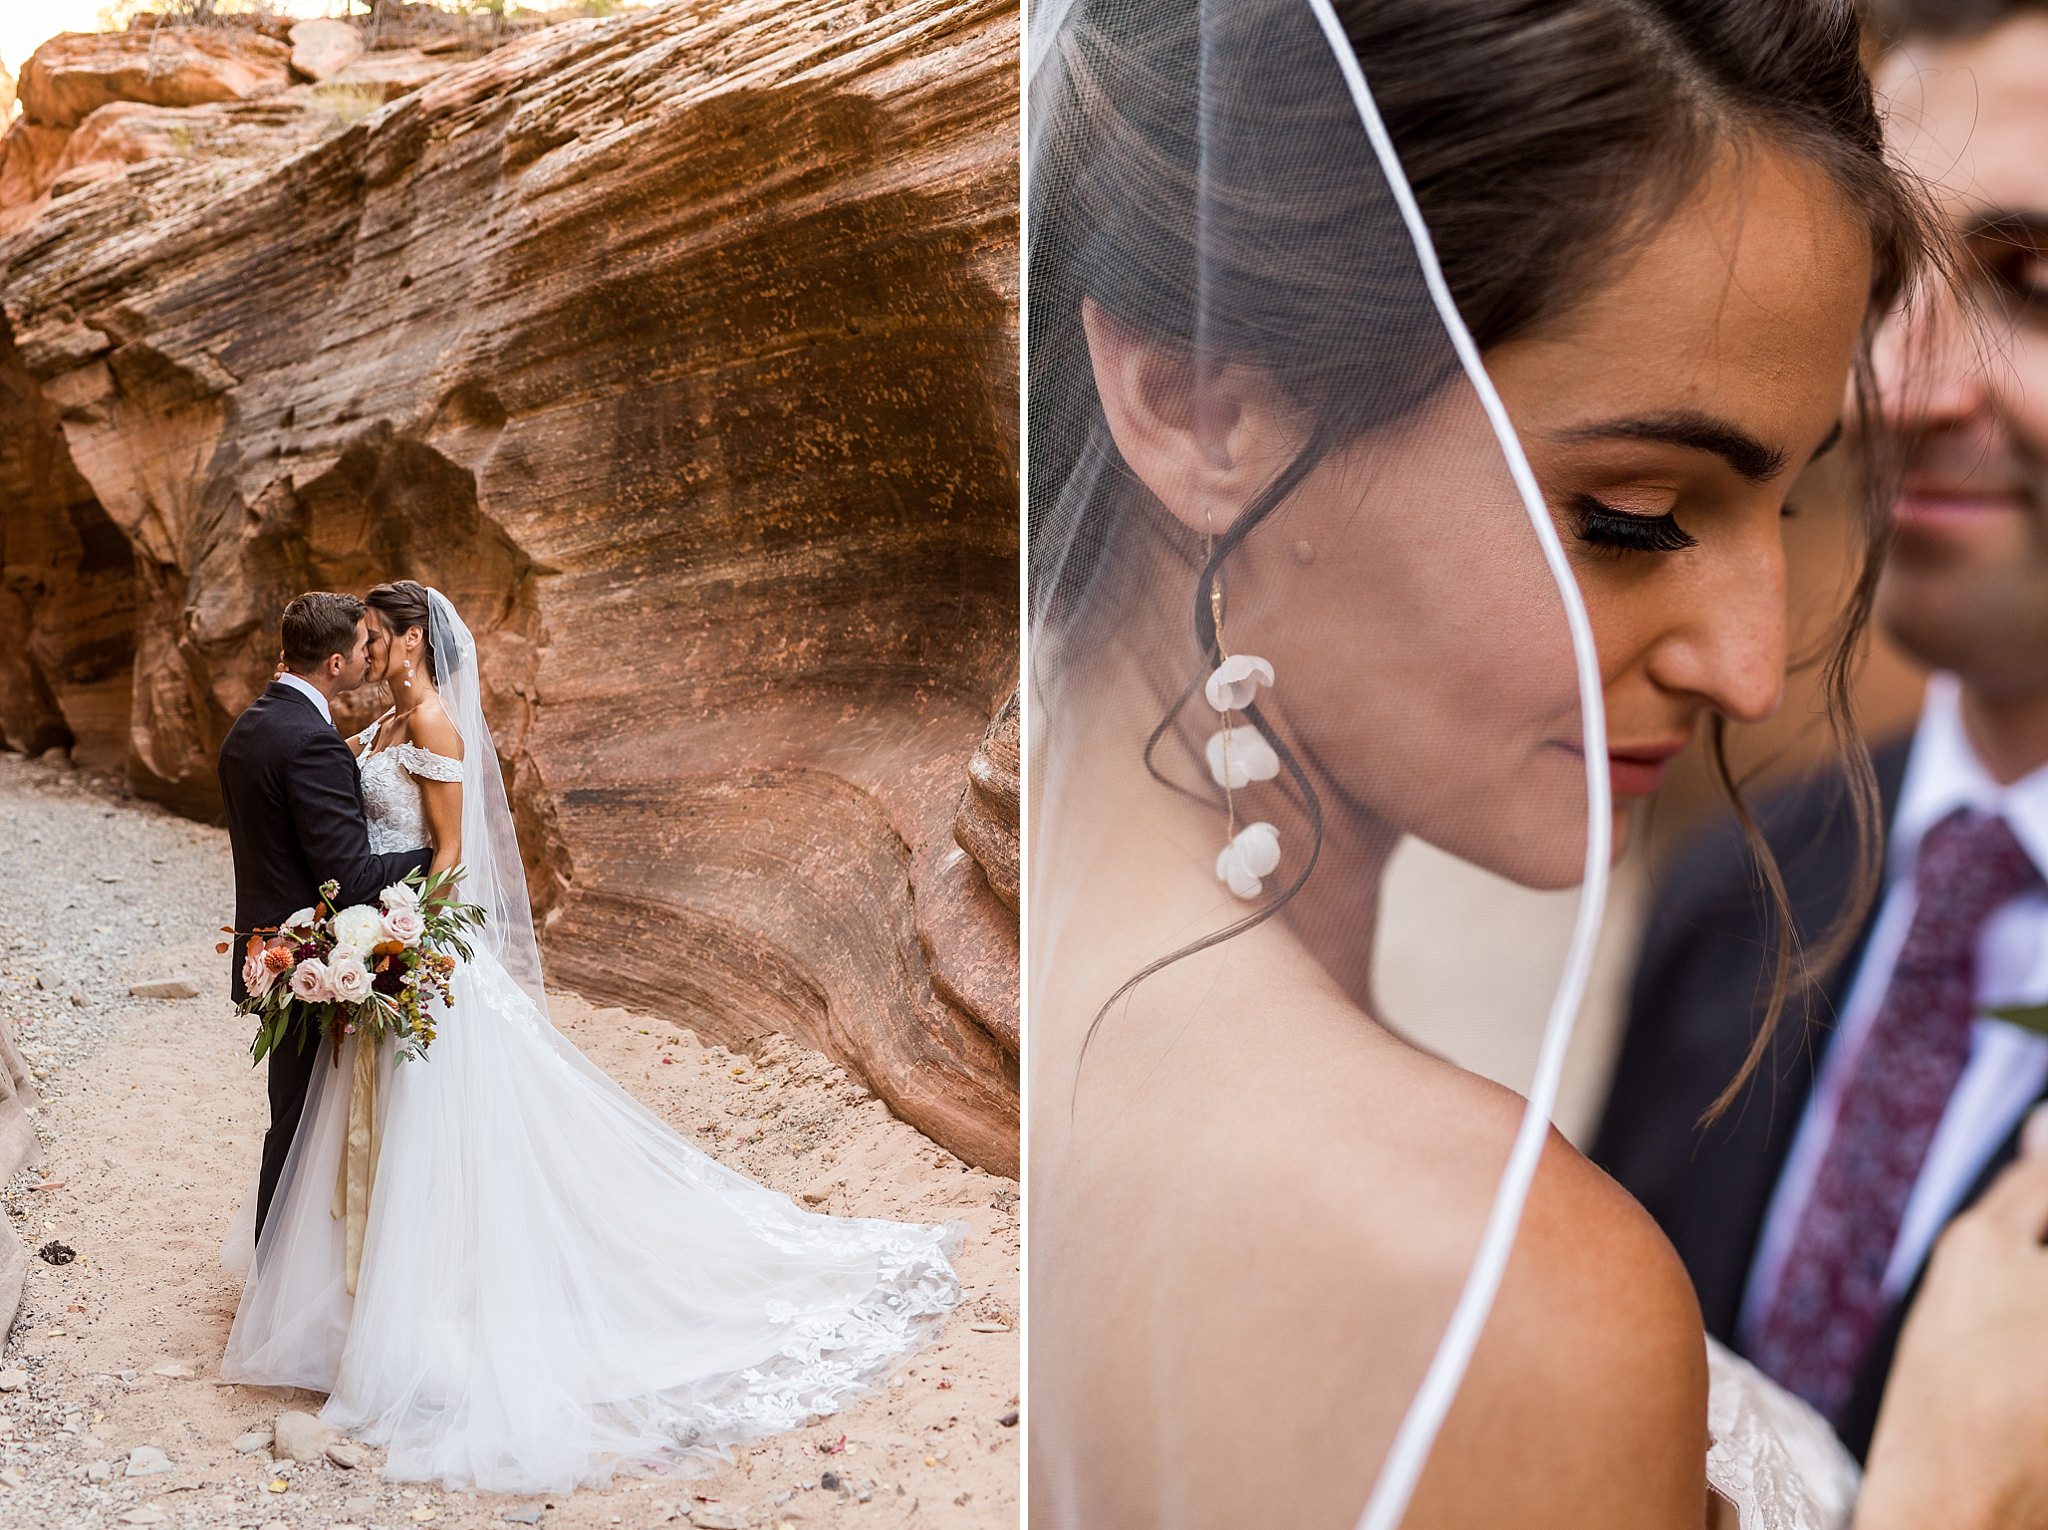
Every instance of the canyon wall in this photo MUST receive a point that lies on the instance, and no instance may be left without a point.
(679, 349)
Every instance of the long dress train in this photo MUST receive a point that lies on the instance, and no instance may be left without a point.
(553, 1281)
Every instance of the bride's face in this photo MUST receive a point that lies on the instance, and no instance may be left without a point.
(390, 647)
(1418, 639)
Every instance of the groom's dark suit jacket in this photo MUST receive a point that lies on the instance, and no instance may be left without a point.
(1700, 985)
(295, 818)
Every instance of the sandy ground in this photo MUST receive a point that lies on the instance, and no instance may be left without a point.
(151, 1141)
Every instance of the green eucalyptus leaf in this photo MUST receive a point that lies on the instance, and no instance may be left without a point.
(2028, 1017)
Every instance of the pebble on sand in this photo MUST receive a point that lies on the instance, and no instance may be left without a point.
(147, 1461)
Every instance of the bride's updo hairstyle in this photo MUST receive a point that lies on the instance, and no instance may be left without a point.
(403, 606)
(1543, 143)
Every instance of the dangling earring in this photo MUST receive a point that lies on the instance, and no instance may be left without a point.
(1239, 756)
(408, 674)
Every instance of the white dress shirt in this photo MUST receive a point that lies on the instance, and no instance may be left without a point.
(320, 701)
(2007, 1070)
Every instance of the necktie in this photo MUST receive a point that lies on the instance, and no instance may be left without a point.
(1829, 1299)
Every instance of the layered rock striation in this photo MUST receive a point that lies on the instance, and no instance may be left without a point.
(679, 349)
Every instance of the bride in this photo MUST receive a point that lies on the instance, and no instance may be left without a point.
(1415, 390)
(537, 1279)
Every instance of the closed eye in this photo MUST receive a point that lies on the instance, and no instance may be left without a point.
(1620, 531)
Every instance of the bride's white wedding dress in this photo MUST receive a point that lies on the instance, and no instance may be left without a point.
(1773, 1463)
(553, 1282)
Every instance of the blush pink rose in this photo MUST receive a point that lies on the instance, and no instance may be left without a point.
(310, 982)
(348, 976)
(405, 925)
(257, 974)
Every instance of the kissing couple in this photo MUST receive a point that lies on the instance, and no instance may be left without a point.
(548, 1281)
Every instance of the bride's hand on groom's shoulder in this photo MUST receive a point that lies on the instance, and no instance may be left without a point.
(1960, 1440)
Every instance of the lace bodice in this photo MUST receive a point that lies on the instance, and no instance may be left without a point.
(1771, 1460)
(391, 791)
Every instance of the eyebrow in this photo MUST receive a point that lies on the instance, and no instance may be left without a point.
(1697, 432)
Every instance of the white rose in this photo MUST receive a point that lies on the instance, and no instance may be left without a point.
(309, 981)
(359, 927)
(350, 978)
(405, 925)
(400, 895)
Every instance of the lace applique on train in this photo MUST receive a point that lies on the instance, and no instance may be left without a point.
(1772, 1461)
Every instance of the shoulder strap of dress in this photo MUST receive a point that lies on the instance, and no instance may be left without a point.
(424, 762)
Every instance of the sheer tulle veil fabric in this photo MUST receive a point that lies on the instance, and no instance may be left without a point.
(1373, 659)
(494, 876)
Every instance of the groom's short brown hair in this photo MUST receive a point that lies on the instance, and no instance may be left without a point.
(318, 624)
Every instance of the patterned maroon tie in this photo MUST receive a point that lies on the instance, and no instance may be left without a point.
(1829, 1299)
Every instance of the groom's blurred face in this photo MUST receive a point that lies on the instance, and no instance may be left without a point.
(1965, 383)
(356, 669)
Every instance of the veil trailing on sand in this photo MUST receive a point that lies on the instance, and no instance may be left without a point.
(494, 876)
(1299, 613)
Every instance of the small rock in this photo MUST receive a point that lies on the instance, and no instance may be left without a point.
(9, 1477)
(253, 1441)
(527, 1514)
(78, 998)
(99, 1471)
(302, 1437)
(54, 1252)
(1008, 1420)
(13, 1379)
(176, 1370)
(348, 1454)
(148, 1514)
(165, 988)
(321, 48)
(146, 1461)
(711, 1516)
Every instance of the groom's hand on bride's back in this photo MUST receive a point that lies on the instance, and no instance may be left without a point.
(1960, 1438)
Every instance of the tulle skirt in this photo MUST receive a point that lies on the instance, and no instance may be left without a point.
(553, 1281)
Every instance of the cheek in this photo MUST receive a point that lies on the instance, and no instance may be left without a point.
(1625, 611)
(1422, 656)
(2023, 394)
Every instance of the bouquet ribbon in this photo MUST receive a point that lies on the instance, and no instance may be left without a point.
(358, 1168)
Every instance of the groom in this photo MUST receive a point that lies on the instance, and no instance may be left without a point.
(295, 819)
(1807, 1212)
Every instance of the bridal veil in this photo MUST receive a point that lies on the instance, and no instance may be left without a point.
(1379, 645)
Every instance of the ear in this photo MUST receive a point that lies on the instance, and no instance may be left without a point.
(1204, 440)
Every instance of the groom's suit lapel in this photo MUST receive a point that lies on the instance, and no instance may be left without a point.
(1748, 1146)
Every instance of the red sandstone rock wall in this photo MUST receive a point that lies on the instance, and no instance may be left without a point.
(678, 348)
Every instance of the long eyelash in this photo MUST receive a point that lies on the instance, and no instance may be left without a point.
(1601, 525)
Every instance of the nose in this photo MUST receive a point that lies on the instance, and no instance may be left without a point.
(1930, 370)
(1723, 640)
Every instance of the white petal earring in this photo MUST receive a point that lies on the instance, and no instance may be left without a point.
(1238, 754)
(408, 674)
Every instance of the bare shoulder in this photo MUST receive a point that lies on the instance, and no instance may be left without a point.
(1585, 1402)
(432, 729)
(1590, 1377)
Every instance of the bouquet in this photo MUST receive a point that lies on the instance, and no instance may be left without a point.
(366, 969)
